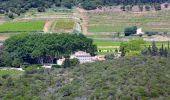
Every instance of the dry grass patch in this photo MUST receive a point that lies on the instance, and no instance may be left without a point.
(64, 25)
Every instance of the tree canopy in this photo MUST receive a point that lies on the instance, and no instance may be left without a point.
(40, 48)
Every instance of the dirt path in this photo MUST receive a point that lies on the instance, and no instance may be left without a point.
(47, 26)
(3, 38)
(84, 18)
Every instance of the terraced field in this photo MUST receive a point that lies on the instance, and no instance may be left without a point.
(63, 25)
(22, 26)
(111, 22)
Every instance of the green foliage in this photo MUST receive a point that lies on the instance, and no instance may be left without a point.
(13, 73)
(11, 15)
(132, 46)
(56, 66)
(33, 69)
(89, 5)
(130, 30)
(126, 78)
(41, 48)
(109, 57)
(74, 62)
(134, 53)
(157, 7)
(66, 63)
(154, 50)
(41, 9)
(16, 62)
(20, 6)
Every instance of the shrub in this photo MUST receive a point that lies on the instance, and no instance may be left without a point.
(151, 33)
(147, 8)
(109, 57)
(68, 5)
(33, 69)
(157, 7)
(56, 66)
(11, 15)
(130, 30)
(74, 62)
(66, 63)
(166, 5)
(89, 5)
(41, 9)
(5, 76)
(123, 8)
(140, 7)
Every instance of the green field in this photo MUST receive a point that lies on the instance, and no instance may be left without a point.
(22, 26)
(107, 43)
(10, 72)
(116, 22)
(64, 25)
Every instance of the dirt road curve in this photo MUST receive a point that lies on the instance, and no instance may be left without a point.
(84, 20)
(47, 26)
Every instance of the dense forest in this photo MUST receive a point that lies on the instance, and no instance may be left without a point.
(20, 6)
(129, 78)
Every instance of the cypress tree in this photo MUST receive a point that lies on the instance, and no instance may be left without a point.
(165, 52)
(123, 53)
(161, 50)
(67, 62)
(149, 50)
(168, 45)
(154, 49)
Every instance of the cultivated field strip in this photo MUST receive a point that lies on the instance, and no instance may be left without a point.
(104, 22)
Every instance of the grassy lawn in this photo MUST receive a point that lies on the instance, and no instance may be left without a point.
(117, 44)
(64, 25)
(12, 73)
(107, 43)
(22, 26)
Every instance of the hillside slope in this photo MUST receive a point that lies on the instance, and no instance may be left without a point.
(135, 78)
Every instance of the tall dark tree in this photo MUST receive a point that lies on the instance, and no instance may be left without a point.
(165, 53)
(161, 50)
(154, 49)
(67, 62)
(149, 50)
(123, 52)
(168, 46)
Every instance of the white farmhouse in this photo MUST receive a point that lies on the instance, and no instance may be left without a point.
(139, 31)
(83, 57)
